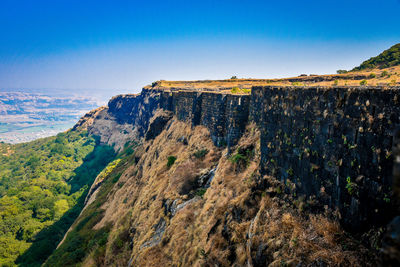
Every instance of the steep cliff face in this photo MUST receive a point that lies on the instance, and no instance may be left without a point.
(125, 119)
(224, 115)
(330, 143)
(235, 179)
(335, 144)
(205, 209)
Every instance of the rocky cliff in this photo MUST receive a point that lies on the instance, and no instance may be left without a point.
(233, 159)
(330, 143)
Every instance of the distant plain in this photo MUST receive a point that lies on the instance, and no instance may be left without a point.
(26, 115)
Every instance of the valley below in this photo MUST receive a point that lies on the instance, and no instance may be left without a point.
(26, 115)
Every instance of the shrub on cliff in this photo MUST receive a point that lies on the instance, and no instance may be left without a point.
(297, 84)
(200, 153)
(241, 159)
(170, 161)
(384, 74)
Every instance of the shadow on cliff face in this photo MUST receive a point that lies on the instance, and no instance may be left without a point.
(391, 240)
(46, 241)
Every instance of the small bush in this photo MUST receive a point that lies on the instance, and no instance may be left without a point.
(171, 160)
(235, 90)
(372, 75)
(201, 192)
(341, 71)
(350, 186)
(363, 82)
(336, 82)
(233, 77)
(297, 84)
(200, 153)
(384, 73)
(242, 156)
(237, 158)
(241, 159)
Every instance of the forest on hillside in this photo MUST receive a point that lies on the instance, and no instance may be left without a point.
(386, 59)
(43, 184)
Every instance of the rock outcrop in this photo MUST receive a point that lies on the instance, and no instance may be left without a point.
(332, 144)
(255, 179)
(157, 123)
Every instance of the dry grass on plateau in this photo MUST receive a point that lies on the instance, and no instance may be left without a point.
(375, 77)
(232, 224)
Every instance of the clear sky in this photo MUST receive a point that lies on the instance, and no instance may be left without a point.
(121, 46)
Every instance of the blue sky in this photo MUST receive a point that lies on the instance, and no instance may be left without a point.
(119, 46)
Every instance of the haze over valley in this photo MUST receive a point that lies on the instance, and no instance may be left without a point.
(27, 115)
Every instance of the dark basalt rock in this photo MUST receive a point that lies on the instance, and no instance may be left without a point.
(391, 243)
(333, 144)
(157, 124)
(135, 109)
(159, 230)
(391, 240)
(183, 140)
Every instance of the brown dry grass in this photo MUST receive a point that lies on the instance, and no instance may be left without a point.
(373, 77)
(294, 238)
(184, 177)
(225, 227)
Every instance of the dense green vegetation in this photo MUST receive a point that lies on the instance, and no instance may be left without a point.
(170, 161)
(83, 239)
(388, 58)
(42, 188)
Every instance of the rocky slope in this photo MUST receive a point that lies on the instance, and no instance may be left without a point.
(207, 178)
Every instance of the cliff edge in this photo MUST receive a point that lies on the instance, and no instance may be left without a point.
(293, 175)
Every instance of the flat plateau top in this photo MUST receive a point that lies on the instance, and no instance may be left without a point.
(382, 78)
